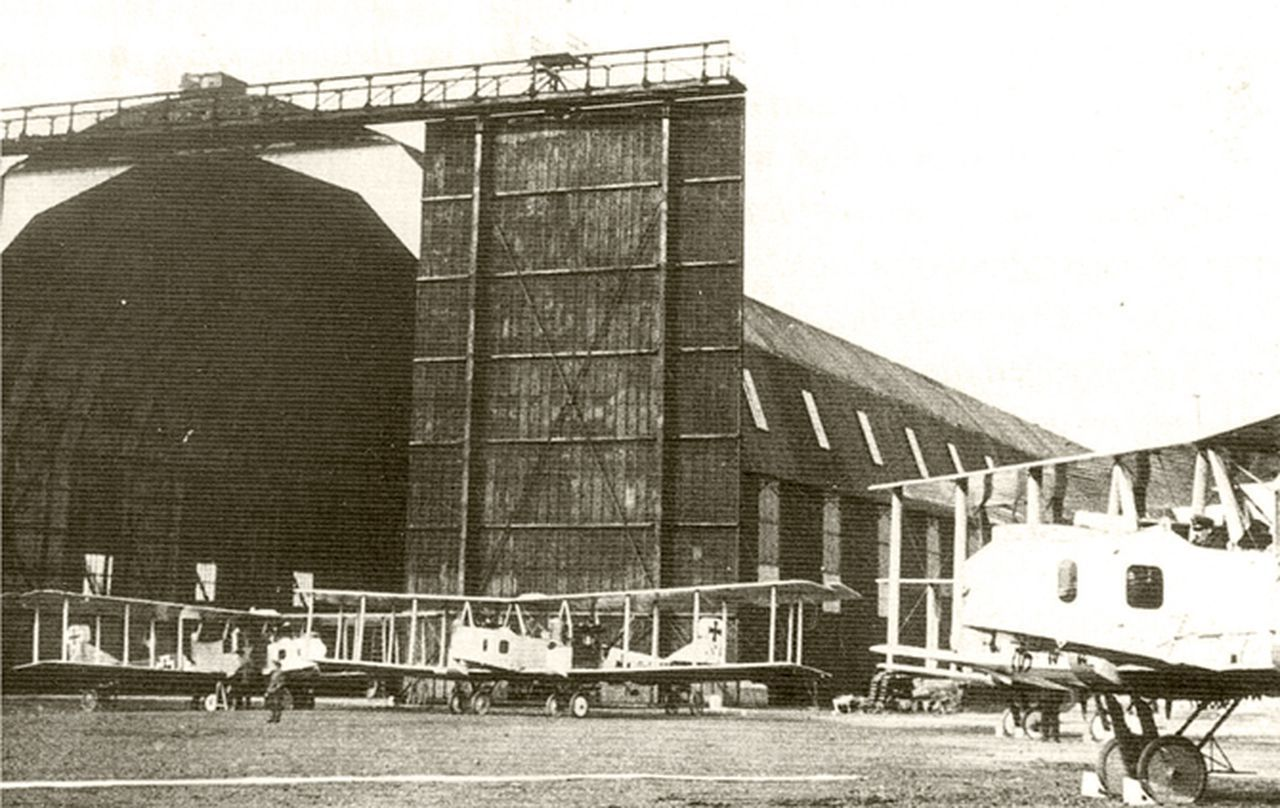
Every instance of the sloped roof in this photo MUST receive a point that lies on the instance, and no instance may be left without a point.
(783, 335)
(907, 413)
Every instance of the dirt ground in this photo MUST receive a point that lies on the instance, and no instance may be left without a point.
(882, 760)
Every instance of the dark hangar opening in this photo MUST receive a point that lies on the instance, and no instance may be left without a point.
(205, 361)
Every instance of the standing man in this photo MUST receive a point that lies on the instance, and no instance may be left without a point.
(274, 697)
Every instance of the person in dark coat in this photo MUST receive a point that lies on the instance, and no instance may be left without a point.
(274, 696)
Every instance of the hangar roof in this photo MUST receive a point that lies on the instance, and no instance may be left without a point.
(914, 421)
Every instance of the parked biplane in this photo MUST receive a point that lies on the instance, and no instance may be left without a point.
(103, 646)
(1168, 594)
(569, 644)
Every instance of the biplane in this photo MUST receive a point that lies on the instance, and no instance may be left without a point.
(571, 644)
(1172, 592)
(103, 646)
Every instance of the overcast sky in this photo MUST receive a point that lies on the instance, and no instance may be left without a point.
(1069, 210)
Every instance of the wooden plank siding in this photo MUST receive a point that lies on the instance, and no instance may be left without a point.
(586, 459)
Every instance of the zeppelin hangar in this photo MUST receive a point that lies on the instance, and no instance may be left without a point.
(248, 340)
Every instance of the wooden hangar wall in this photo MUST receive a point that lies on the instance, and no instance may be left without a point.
(824, 419)
(204, 363)
(575, 419)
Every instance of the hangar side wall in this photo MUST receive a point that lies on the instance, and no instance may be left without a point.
(578, 350)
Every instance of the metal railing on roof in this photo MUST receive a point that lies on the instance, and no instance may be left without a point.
(375, 97)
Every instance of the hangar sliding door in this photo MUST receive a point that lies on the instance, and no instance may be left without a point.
(578, 349)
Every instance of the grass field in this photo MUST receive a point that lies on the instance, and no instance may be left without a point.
(885, 759)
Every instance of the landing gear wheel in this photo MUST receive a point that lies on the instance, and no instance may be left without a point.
(1008, 724)
(481, 702)
(552, 707)
(1111, 768)
(1033, 725)
(697, 704)
(579, 705)
(1172, 770)
(89, 700)
(1100, 728)
(457, 703)
(210, 703)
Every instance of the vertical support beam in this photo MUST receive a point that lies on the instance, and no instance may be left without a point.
(933, 622)
(124, 653)
(791, 633)
(35, 636)
(340, 637)
(413, 631)
(1227, 496)
(151, 644)
(358, 650)
(697, 610)
(66, 620)
(626, 628)
(391, 629)
(800, 633)
(724, 625)
(444, 639)
(663, 352)
(97, 631)
(1199, 485)
(895, 569)
(654, 647)
(468, 407)
(1034, 478)
(773, 623)
(182, 630)
(959, 553)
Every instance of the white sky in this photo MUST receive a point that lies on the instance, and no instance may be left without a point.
(1066, 209)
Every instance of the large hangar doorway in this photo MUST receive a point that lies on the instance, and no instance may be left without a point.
(206, 361)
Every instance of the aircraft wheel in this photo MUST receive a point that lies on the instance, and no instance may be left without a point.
(457, 705)
(481, 702)
(1111, 767)
(1008, 723)
(697, 704)
(1100, 728)
(1033, 725)
(210, 703)
(579, 705)
(371, 692)
(1172, 770)
(89, 700)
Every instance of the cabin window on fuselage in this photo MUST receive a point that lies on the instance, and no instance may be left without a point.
(1067, 580)
(503, 646)
(1144, 587)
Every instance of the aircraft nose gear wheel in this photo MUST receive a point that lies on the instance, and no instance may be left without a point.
(481, 702)
(1033, 725)
(210, 703)
(89, 700)
(1009, 724)
(1172, 770)
(457, 702)
(1111, 767)
(579, 705)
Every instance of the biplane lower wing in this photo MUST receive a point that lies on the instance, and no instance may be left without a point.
(122, 679)
(764, 672)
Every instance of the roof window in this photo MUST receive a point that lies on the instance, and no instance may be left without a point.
(753, 401)
(915, 451)
(814, 418)
(873, 448)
